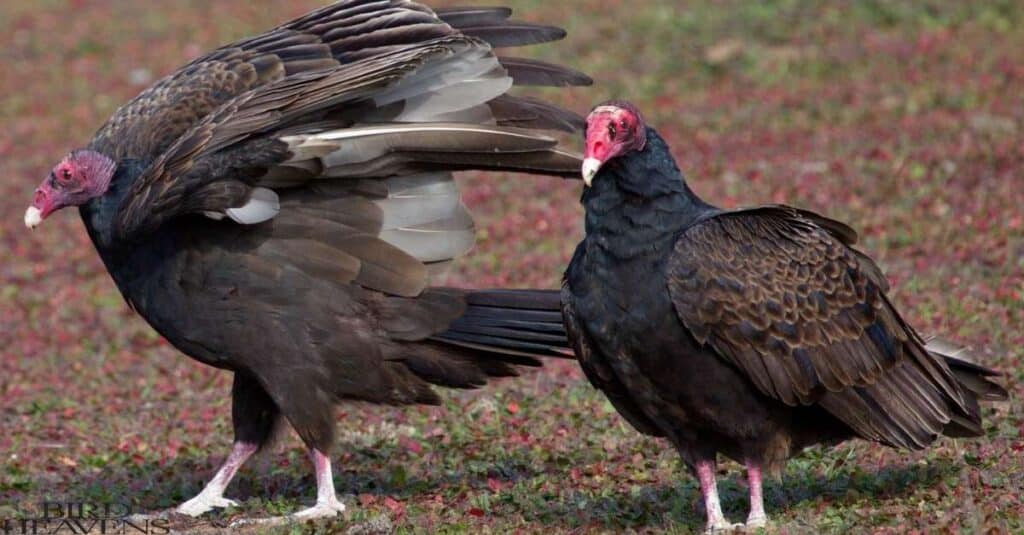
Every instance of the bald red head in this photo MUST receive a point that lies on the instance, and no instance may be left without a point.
(80, 176)
(613, 129)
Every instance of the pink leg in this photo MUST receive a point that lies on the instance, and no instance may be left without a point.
(709, 488)
(757, 518)
(327, 504)
(213, 494)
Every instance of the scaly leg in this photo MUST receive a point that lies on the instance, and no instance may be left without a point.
(212, 495)
(327, 504)
(756, 518)
(709, 488)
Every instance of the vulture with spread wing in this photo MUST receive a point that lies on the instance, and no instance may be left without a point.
(752, 333)
(278, 207)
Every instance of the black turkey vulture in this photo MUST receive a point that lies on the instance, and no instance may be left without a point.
(278, 206)
(752, 333)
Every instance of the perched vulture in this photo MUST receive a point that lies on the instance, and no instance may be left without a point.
(278, 206)
(752, 333)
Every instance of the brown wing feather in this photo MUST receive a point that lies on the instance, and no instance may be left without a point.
(794, 308)
(259, 114)
(323, 71)
(157, 195)
(148, 124)
(335, 239)
(842, 232)
(339, 33)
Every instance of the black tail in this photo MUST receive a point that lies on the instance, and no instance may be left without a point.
(976, 382)
(499, 331)
(525, 323)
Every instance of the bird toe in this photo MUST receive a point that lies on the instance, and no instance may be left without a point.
(756, 522)
(321, 510)
(204, 504)
(723, 527)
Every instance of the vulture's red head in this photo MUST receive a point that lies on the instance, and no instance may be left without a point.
(613, 129)
(80, 176)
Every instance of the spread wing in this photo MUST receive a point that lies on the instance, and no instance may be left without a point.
(783, 297)
(337, 34)
(354, 115)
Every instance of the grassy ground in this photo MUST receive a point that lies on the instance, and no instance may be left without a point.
(902, 118)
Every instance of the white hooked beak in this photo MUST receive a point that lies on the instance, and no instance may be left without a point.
(590, 168)
(33, 217)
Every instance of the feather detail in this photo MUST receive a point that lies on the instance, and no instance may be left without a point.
(424, 216)
(513, 33)
(461, 17)
(263, 204)
(535, 72)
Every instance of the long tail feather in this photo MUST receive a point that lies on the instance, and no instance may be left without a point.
(976, 382)
(971, 376)
(512, 322)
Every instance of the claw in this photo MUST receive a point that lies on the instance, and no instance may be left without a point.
(203, 504)
(723, 527)
(320, 510)
(327, 504)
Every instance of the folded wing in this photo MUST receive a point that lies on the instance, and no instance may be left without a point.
(784, 298)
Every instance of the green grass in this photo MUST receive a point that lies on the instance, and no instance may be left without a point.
(902, 118)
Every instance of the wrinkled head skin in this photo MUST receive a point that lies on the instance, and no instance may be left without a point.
(80, 176)
(614, 128)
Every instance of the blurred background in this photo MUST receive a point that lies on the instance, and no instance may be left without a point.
(901, 118)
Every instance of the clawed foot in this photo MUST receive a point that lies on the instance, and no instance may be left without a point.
(203, 504)
(722, 527)
(321, 510)
(328, 509)
(757, 522)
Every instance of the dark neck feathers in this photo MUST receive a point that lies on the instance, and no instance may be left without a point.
(100, 213)
(639, 202)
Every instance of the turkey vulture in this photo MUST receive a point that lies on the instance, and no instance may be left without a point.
(278, 207)
(753, 333)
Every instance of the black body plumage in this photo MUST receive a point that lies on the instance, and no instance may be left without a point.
(258, 223)
(751, 333)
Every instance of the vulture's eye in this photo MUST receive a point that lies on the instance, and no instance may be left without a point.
(624, 124)
(611, 131)
(61, 178)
